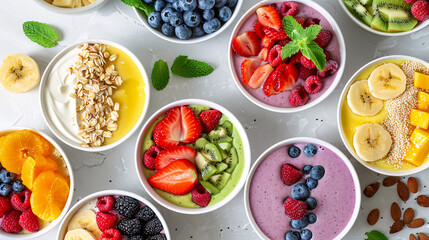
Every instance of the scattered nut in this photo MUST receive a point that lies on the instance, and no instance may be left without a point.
(371, 189)
(397, 226)
(423, 236)
(408, 215)
(413, 185)
(416, 223)
(412, 237)
(423, 201)
(395, 211)
(390, 181)
(373, 216)
(403, 192)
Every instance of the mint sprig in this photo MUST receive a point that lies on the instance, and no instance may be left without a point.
(303, 40)
(375, 235)
(40, 33)
(160, 75)
(190, 68)
(145, 7)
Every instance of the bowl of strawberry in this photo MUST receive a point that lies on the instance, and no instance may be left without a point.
(287, 56)
(193, 156)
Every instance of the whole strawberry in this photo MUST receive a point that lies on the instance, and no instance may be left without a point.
(420, 10)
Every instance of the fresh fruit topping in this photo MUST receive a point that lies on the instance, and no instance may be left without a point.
(361, 101)
(300, 20)
(372, 142)
(264, 54)
(317, 172)
(111, 234)
(85, 219)
(5, 205)
(106, 203)
(327, 54)
(300, 191)
(310, 150)
(129, 227)
(288, 8)
(294, 151)
(311, 183)
(275, 56)
(306, 169)
(106, 221)
(246, 44)
(290, 174)
(421, 80)
(17, 186)
(157, 237)
(19, 73)
(179, 177)
(248, 67)
(6, 176)
(269, 84)
(78, 234)
(210, 119)
(300, 223)
(295, 209)
(274, 34)
(286, 77)
(307, 63)
(269, 17)
(386, 81)
(410, 1)
(311, 203)
(323, 38)
(283, 42)
(331, 68)
(306, 234)
(127, 206)
(10, 221)
(150, 155)
(259, 30)
(145, 214)
(296, 58)
(267, 42)
(32, 167)
(191, 126)
(170, 155)
(200, 196)
(152, 227)
(292, 235)
(298, 96)
(21, 201)
(311, 21)
(312, 218)
(29, 221)
(304, 72)
(313, 84)
(420, 10)
(167, 132)
(259, 76)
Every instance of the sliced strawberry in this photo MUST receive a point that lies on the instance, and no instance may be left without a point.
(263, 54)
(274, 34)
(248, 67)
(179, 177)
(260, 75)
(191, 125)
(258, 29)
(246, 44)
(267, 42)
(269, 84)
(167, 132)
(287, 77)
(160, 139)
(209, 119)
(269, 17)
(167, 156)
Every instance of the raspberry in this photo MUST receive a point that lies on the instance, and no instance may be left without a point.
(4, 205)
(200, 196)
(290, 174)
(295, 209)
(311, 21)
(323, 38)
(300, 20)
(327, 54)
(152, 227)
(110, 234)
(410, 1)
(308, 63)
(105, 204)
(106, 221)
(145, 214)
(296, 58)
(275, 34)
(275, 55)
(298, 97)
(259, 30)
(304, 72)
(10, 222)
(288, 9)
(21, 201)
(129, 227)
(330, 69)
(283, 42)
(29, 221)
(420, 10)
(313, 84)
(149, 157)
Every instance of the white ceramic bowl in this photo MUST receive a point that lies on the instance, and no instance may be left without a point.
(303, 140)
(174, 39)
(389, 34)
(81, 10)
(53, 224)
(63, 227)
(174, 207)
(340, 124)
(237, 77)
(56, 127)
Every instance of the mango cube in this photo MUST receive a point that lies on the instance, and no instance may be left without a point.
(415, 156)
(419, 118)
(423, 101)
(420, 139)
(421, 80)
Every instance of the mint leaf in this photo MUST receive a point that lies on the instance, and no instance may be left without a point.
(145, 7)
(160, 75)
(290, 49)
(190, 68)
(311, 32)
(40, 33)
(316, 54)
(375, 235)
(293, 29)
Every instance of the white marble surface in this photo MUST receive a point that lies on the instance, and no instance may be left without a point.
(115, 168)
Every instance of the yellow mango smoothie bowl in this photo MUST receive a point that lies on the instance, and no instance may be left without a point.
(383, 115)
(94, 95)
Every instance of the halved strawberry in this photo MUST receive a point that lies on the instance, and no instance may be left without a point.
(179, 177)
(209, 119)
(286, 78)
(269, 17)
(167, 132)
(258, 29)
(274, 34)
(191, 126)
(263, 54)
(267, 42)
(268, 87)
(167, 156)
(246, 44)
(260, 75)
(248, 67)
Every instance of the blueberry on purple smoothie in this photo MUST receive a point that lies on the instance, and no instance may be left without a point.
(159, 5)
(307, 169)
(311, 183)
(311, 203)
(317, 172)
(312, 218)
(306, 234)
(300, 192)
(299, 224)
(294, 151)
(310, 150)
(154, 19)
(225, 14)
(292, 235)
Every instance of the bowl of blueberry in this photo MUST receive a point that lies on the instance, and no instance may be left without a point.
(188, 21)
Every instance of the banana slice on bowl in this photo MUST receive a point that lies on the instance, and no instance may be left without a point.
(387, 81)
(372, 142)
(79, 234)
(361, 101)
(85, 219)
(19, 73)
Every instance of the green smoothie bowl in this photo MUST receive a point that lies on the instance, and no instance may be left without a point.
(193, 156)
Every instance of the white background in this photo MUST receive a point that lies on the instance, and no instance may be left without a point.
(115, 169)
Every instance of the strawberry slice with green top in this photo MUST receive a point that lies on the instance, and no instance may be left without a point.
(178, 177)
(248, 67)
(170, 155)
(210, 119)
(190, 125)
(246, 44)
(269, 17)
(260, 75)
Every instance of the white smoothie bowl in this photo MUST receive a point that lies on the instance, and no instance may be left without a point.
(340, 120)
(66, 133)
(63, 227)
(79, 10)
(295, 141)
(53, 224)
(236, 75)
(140, 166)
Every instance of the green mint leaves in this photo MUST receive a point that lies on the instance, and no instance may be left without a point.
(145, 7)
(160, 75)
(190, 68)
(375, 235)
(303, 40)
(40, 33)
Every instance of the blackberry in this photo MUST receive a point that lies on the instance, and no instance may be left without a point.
(127, 206)
(152, 227)
(157, 237)
(145, 214)
(137, 237)
(129, 227)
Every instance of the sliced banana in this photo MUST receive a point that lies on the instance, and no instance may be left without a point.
(19, 73)
(85, 219)
(372, 142)
(64, 3)
(79, 234)
(361, 101)
(387, 81)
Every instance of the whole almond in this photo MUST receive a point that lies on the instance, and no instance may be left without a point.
(423, 201)
(397, 226)
(416, 223)
(373, 216)
(412, 237)
(403, 192)
(395, 211)
(371, 189)
(390, 181)
(408, 215)
(413, 185)
(423, 236)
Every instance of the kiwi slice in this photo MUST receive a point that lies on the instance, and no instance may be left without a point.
(209, 187)
(223, 153)
(219, 134)
(200, 143)
(205, 167)
(357, 9)
(221, 167)
(379, 22)
(365, 2)
(228, 127)
(211, 152)
(232, 160)
(220, 180)
(198, 108)
(398, 16)
(224, 146)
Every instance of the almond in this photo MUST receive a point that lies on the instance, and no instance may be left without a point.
(373, 216)
(390, 181)
(416, 223)
(408, 215)
(397, 226)
(395, 211)
(423, 236)
(423, 201)
(371, 189)
(413, 185)
(403, 192)
(412, 237)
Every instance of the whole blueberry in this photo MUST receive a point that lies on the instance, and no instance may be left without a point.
(317, 172)
(154, 19)
(310, 150)
(299, 224)
(170, 5)
(220, 3)
(17, 186)
(311, 203)
(307, 169)
(169, 1)
(208, 14)
(312, 218)
(231, 3)
(311, 183)
(188, 5)
(225, 14)
(192, 18)
(300, 192)
(198, 31)
(292, 235)
(177, 6)
(206, 4)
(306, 234)
(183, 32)
(176, 19)
(211, 25)
(5, 189)
(6, 176)
(167, 29)
(294, 151)
(166, 14)
(159, 5)
(148, 1)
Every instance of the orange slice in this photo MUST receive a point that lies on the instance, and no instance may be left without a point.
(49, 196)
(32, 167)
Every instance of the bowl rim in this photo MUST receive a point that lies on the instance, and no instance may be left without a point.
(420, 26)
(342, 46)
(62, 228)
(174, 39)
(174, 207)
(45, 78)
(54, 223)
(289, 141)
(340, 125)
(71, 11)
